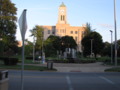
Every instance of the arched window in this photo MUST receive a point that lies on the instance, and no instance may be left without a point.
(61, 17)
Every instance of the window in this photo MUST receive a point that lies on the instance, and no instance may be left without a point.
(76, 32)
(63, 30)
(53, 32)
(48, 31)
(63, 17)
(71, 32)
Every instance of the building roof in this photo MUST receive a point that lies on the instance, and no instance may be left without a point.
(62, 5)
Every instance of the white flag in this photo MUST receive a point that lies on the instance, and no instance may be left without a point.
(23, 24)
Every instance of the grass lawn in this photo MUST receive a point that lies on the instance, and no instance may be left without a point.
(115, 69)
(27, 67)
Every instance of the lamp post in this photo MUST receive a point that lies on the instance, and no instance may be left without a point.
(81, 43)
(43, 58)
(115, 27)
(91, 46)
(111, 46)
(33, 45)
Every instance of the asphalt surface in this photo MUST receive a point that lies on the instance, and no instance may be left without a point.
(35, 80)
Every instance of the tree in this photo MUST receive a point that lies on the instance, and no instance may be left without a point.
(88, 29)
(37, 32)
(97, 43)
(118, 42)
(52, 45)
(55, 43)
(67, 42)
(28, 47)
(107, 49)
(8, 23)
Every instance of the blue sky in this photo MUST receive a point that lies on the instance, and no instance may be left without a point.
(99, 13)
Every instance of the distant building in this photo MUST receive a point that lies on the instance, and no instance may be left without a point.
(62, 28)
(19, 43)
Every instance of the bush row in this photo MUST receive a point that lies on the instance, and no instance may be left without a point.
(9, 61)
(72, 60)
(109, 60)
(31, 58)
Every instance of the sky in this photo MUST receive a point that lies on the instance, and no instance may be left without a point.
(99, 13)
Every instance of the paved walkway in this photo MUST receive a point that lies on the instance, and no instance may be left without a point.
(91, 67)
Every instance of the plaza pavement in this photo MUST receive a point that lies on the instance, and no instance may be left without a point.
(91, 67)
(71, 67)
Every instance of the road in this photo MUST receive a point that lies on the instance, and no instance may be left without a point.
(35, 80)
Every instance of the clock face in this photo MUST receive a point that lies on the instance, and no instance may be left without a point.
(61, 11)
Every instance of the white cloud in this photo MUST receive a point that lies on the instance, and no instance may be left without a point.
(106, 25)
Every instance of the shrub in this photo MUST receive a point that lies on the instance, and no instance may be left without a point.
(88, 61)
(59, 61)
(72, 60)
(115, 69)
(31, 58)
(2, 58)
(10, 61)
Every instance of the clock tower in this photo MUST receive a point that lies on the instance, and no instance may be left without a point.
(62, 14)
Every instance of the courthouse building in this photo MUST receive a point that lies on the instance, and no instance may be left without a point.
(63, 28)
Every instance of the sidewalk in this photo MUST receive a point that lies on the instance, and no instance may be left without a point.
(91, 67)
(69, 67)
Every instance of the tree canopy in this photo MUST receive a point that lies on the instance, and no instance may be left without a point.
(55, 43)
(52, 45)
(37, 32)
(97, 43)
(67, 42)
(8, 23)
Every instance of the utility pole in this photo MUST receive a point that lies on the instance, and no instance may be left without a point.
(111, 46)
(34, 45)
(91, 46)
(43, 61)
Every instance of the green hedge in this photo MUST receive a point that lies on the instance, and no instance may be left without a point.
(10, 61)
(116, 69)
(31, 58)
(72, 60)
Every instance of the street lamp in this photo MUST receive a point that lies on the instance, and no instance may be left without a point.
(43, 56)
(111, 46)
(91, 46)
(34, 45)
(115, 27)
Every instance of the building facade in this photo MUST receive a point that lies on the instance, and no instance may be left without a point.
(62, 28)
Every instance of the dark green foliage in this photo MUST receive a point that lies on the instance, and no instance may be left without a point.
(67, 42)
(10, 61)
(8, 24)
(28, 47)
(118, 42)
(97, 43)
(106, 50)
(31, 58)
(51, 45)
(115, 69)
(37, 32)
(88, 29)
(73, 60)
(55, 43)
